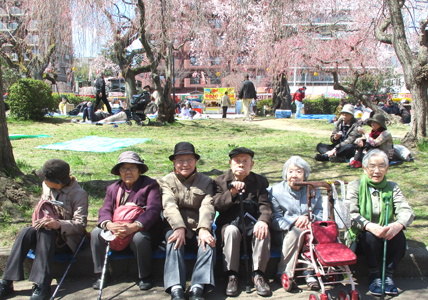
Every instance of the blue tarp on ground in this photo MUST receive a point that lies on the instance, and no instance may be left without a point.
(317, 117)
(94, 144)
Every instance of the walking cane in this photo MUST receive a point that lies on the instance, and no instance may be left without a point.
(73, 259)
(387, 199)
(108, 236)
(244, 237)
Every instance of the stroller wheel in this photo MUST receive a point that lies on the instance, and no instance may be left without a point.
(343, 295)
(128, 123)
(354, 295)
(314, 297)
(287, 282)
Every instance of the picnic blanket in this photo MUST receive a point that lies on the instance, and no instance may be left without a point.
(95, 144)
(25, 136)
(316, 117)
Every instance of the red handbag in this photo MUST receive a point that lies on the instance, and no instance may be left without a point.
(124, 214)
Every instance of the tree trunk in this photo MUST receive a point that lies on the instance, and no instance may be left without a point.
(7, 161)
(167, 104)
(130, 87)
(418, 126)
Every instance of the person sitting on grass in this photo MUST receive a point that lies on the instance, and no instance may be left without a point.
(368, 215)
(379, 138)
(344, 134)
(49, 235)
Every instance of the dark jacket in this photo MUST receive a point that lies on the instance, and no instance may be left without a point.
(393, 109)
(100, 85)
(228, 206)
(145, 192)
(247, 90)
(351, 135)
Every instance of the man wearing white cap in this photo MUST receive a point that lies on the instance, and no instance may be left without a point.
(343, 137)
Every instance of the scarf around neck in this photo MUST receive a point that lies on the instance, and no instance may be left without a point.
(375, 133)
(365, 202)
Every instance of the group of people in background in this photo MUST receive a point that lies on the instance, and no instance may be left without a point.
(349, 140)
(180, 209)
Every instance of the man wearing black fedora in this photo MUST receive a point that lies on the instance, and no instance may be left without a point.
(188, 210)
(256, 203)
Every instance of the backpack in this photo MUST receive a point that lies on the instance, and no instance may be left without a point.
(124, 214)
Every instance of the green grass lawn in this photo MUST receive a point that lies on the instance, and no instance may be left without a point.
(213, 140)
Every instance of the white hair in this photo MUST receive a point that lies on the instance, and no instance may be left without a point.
(374, 152)
(299, 162)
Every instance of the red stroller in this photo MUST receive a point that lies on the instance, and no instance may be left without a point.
(325, 254)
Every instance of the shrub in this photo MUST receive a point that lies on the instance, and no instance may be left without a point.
(261, 103)
(31, 99)
(321, 105)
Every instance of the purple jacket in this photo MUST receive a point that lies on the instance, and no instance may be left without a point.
(145, 192)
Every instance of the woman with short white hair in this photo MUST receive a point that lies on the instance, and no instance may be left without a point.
(290, 214)
(368, 201)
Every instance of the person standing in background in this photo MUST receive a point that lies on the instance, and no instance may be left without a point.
(298, 97)
(247, 92)
(100, 94)
(225, 103)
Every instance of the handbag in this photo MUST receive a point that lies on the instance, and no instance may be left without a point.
(124, 214)
(46, 208)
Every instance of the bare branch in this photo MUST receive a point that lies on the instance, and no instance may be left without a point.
(381, 34)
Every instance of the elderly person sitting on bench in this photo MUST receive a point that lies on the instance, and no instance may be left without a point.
(368, 202)
(187, 208)
(290, 215)
(49, 235)
(133, 189)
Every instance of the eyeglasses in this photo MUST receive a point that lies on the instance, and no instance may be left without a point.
(130, 169)
(379, 167)
(182, 161)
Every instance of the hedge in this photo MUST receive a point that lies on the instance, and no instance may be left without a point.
(31, 99)
(321, 105)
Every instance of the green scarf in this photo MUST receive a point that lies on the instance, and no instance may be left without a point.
(365, 202)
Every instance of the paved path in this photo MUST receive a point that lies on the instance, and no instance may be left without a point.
(72, 289)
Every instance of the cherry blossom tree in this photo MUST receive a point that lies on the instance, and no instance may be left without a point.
(165, 27)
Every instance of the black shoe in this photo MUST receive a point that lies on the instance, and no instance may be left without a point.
(146, 283)
(321, 157)
(6, 287)
(196, 294)
(41, 292)
(97, 284)
(177, 294)
(262, 287)
(232, 286)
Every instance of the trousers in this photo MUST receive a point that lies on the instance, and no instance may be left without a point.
(232, 245)
(290, 251)
(246, 104)
(104, 99)
(346, 151)
(43, 242)
(373, 249)
(140, 245)
(175, 267)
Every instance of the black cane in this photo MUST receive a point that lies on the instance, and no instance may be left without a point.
(69, 265)
(244, 237)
